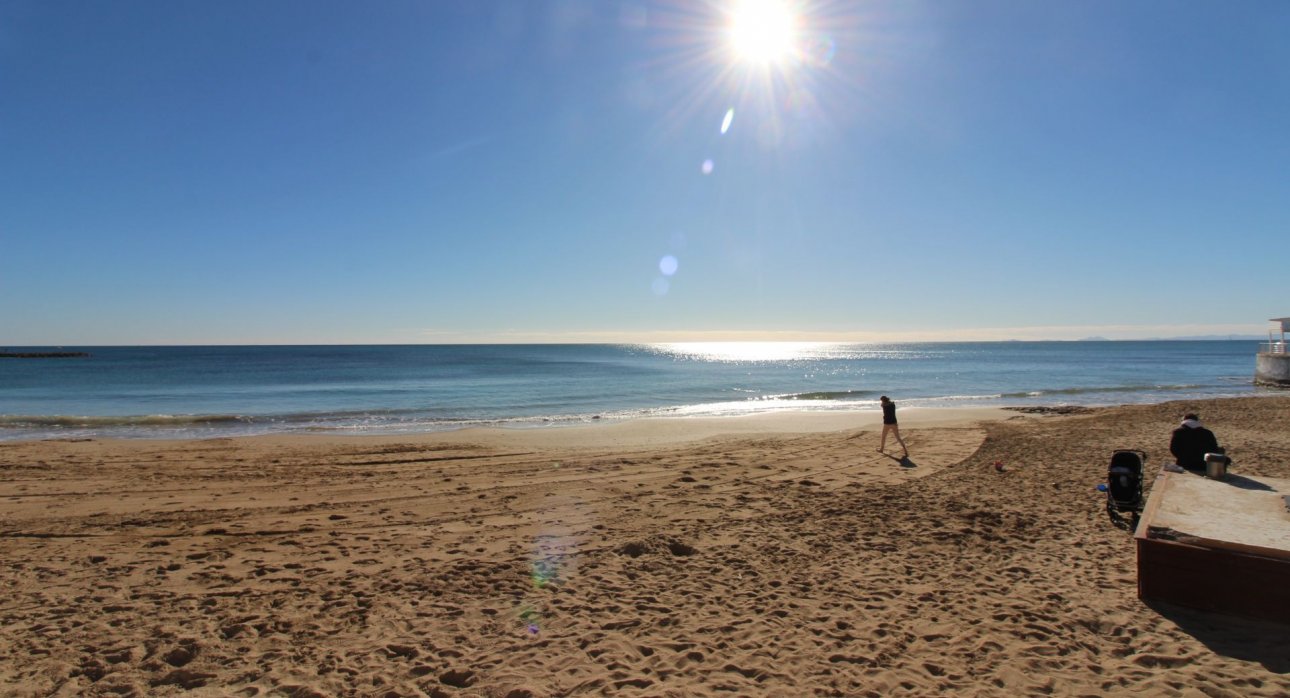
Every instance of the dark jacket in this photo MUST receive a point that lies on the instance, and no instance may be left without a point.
(1190, 444)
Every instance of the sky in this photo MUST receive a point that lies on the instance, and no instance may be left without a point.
(177, 172)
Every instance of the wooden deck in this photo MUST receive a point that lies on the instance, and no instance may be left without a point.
(1217, 545)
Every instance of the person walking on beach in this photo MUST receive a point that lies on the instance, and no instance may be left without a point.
(1191, 441)
(889, 425)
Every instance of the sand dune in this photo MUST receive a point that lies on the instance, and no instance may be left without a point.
(628, 561)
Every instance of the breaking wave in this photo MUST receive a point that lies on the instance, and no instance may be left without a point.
(88, 422)
(1093, 390)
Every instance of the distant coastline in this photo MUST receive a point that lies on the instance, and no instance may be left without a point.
(43, 354)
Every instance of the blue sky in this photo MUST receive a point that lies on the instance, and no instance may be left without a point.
(299, 172)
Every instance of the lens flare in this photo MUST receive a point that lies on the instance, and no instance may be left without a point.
(530, 619)
(553, 560)
(544, 571)
(667, 265)
(551, 555)
(707, 166)
(819, 50)
(725, 123)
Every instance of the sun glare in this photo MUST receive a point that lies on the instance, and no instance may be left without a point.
(763, 31)
(746, 351)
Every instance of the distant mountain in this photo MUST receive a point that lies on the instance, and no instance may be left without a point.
(1192, 338)
(1211, 337)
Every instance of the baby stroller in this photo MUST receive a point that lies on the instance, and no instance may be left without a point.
(1124, 488)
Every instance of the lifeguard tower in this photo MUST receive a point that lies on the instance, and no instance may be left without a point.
(1272, 366)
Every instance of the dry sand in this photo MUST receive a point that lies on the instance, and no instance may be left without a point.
(783, 558)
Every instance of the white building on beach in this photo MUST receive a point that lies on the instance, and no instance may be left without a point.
(1272, 365)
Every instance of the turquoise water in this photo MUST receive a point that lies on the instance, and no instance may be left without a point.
(182, 392)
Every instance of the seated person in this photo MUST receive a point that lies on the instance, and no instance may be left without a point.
(1190, 443)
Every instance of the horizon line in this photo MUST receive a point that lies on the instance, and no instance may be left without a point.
(419, 336)
(1086, 340)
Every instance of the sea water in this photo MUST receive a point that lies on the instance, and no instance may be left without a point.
(186, 392)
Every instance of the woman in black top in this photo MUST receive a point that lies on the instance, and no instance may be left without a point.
(889, 425)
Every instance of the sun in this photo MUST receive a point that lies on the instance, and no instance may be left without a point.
(763, 31)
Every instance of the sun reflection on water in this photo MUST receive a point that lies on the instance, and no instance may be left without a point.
(749, 351)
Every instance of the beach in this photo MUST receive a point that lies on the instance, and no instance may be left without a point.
(778, 554)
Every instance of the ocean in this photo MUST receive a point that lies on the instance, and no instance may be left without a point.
(198, 392)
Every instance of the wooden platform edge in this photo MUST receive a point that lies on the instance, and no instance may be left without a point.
(1152, 505)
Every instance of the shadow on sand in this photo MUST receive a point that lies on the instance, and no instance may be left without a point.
(904, 461)
(1237, 637)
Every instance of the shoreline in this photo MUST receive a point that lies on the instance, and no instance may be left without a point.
(645, 429)
(667, 431)
(664, 428)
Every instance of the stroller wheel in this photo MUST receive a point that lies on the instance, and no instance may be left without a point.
(1118, 520)
(1114, 515)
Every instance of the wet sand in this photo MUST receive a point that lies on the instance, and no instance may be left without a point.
(778, 556)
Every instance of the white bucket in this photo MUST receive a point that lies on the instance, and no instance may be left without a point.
(1216, 465)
